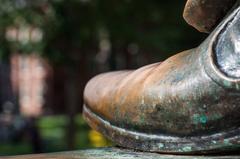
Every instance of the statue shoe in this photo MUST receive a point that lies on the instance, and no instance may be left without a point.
(204, 15)
(190, 103)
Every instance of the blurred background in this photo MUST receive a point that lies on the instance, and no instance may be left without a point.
(49, 49)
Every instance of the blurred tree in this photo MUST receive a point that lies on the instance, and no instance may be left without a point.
(73, 25)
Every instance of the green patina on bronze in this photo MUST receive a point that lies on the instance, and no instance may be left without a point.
(197, 118)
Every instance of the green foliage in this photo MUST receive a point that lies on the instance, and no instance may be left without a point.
(53, 133)
(52, 130)
(15, 148)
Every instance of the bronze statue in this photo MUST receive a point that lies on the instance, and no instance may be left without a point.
(204, 15)
(190, 103)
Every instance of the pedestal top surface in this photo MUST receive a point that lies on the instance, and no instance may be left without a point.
(114, 153)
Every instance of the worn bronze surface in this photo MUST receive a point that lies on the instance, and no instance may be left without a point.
(114, 153)
(204, 15)
(187, 104)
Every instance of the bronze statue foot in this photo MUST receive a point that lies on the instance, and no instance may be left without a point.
(190, 103)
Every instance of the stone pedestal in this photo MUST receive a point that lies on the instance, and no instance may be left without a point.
(116, 153)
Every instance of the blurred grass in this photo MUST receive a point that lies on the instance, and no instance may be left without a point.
(53, 134)
(15, 148)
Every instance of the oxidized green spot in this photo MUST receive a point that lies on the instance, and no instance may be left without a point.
(199, 119)
(187, 149)
(214, 141)
(203, 119)
(195, 118)
(160, 145)
(226, 142)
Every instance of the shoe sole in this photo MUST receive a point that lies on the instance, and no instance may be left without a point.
(213, 143)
